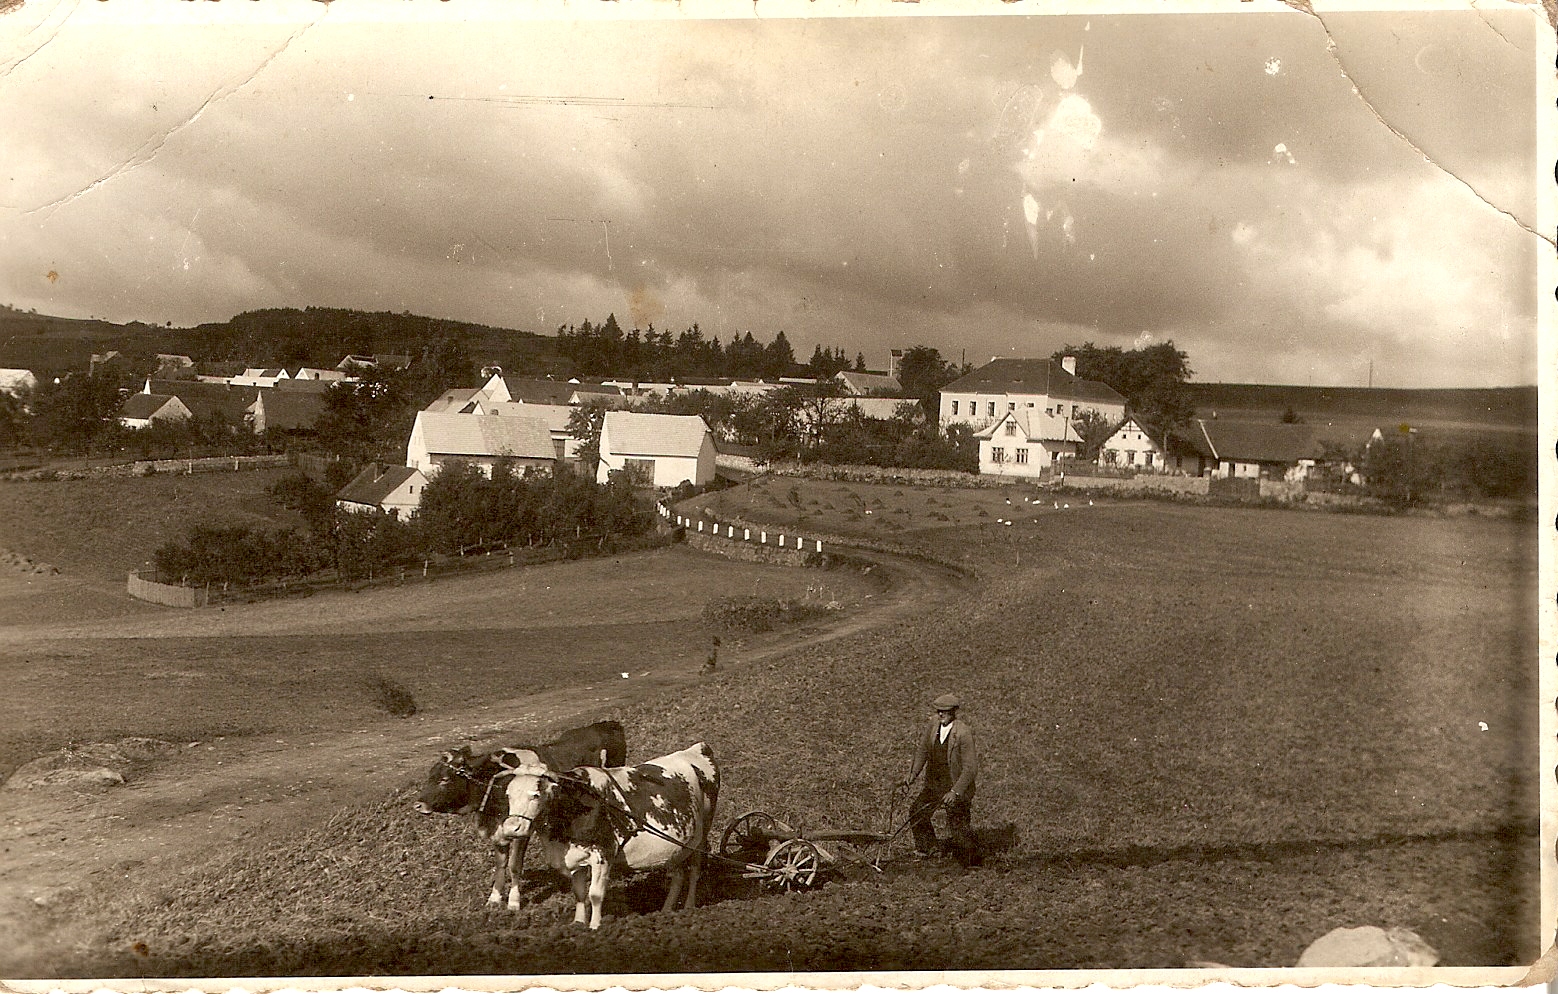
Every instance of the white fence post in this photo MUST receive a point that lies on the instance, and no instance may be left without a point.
(781, 541)
(819, 545)
(764, 540)
(700, 526)
(746, 534)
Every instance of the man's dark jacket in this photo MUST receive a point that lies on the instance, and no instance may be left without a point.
(962, 763)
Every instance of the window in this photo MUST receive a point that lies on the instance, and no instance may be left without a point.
(954, 407)
(1011, 427)
(1030, 403)
(997, 454)
(1130, 457)
(1022, 456)
(1011, 405)
(1147, 458)
(992, 408)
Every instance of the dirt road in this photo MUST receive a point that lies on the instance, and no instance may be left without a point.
(58, 843)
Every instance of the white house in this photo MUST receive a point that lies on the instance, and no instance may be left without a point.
(1258, 450)
(1133, 446)
(479, 439)
(473, 400)
(394, 489)
(1050, 388)
(312, 373)
(17, 381)
(663, 450)
(141, 409)
(259, 377)
(1024, 442)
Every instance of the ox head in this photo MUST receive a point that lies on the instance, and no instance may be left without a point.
(529, 790)
(454, 784)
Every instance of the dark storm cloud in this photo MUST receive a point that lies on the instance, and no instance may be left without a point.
(1004, 181)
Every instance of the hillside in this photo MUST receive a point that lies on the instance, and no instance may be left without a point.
(314, 336)
(1514, 407)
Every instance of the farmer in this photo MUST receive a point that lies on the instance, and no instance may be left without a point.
(946, 753)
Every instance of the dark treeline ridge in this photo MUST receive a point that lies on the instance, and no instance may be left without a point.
(321, 336)
(651, 354)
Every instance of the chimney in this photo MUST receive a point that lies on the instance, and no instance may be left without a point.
(377, 472)
(1069, 364)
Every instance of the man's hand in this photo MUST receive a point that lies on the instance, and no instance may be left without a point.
(948, 799)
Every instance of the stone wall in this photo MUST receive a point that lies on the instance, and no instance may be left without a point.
(1143, 481)
(151, 467)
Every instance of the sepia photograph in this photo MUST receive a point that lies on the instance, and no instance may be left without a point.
(803, 493)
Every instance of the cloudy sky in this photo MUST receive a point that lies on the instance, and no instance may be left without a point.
(1287, 197)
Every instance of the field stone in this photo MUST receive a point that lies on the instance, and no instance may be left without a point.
(98, 765)
(97, 778)
(1368, 945)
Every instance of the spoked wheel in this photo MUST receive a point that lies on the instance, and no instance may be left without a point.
(793, 865)
(749, 834)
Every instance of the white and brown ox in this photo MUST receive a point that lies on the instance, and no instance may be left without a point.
(590, 821)
(462, 782)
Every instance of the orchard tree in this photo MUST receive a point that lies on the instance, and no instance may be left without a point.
(369, 419)
(1094, 430)
(585, 423)
(922, 373)
(79, 411)
(1153, 380)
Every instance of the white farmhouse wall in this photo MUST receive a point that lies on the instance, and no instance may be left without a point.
(1017, 457)
(669, 470)
(1132, 448)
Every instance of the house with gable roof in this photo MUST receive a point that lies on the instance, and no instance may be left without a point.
(1257, 449)
(556, 417)
(662, 450)
(141, 409)
(1043, 385)
(232, 404)
(278, 410)
(439, 437)
(256, 377)
(1134, 445)
(396, 490)
(536, 390)
(1025, 442)
(865, 384)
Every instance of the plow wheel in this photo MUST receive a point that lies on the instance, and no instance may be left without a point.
(793, 865)
(749, 834)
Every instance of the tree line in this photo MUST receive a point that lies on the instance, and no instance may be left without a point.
(460, 508)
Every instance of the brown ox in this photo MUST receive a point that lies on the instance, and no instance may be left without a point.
(462, 782)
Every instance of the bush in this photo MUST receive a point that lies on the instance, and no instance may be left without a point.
(764, 614)
(296, 492)
(391, 696)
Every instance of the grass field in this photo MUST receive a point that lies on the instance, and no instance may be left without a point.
(298, 666)
(1215, 733)
(97, 530)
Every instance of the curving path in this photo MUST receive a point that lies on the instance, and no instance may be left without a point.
(55, 843)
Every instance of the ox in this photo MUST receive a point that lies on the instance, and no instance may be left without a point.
(462, 782)
(590, 821)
